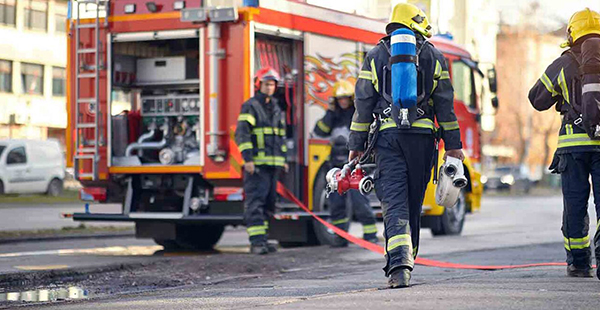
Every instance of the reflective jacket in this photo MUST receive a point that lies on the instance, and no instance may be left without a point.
(260, 132)
(339, 118)
(557, 87)
(437, 88)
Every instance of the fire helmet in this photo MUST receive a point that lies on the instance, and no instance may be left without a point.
(266, 74)
(412, 17)
(582, 23)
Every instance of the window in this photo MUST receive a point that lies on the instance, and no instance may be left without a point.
(462, 80)
(16, 156)
(5, 76)
(35, 15)
(59, 77)
(60, 16)
(7, 12)
(32, 78)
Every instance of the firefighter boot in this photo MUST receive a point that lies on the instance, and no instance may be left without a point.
(399, 278)
(259, 248)
(339, 242)
(371, 238)
(272, 247)
(579, 272)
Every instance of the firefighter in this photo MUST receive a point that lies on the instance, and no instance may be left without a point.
(260, 135)
(404, 157)
(577, 156)
(336, 125)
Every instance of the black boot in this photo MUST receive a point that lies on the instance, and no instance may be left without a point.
(272, 247)
(399, 278)
(261, 248)
(339, 242)
(579, 272)
(371, 238)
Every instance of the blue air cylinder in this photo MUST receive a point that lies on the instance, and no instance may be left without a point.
(404, 68)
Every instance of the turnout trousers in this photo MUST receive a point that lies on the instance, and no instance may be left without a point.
(360, 206)
(404, 163)
(575, 170)
(261, 193)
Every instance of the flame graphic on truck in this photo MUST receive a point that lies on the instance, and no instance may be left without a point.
(321, 73)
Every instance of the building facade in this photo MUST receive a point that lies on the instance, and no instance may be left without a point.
(33, 56)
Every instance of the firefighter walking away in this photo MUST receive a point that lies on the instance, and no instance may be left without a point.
(572, 85)
(260, 135)
(405, 144)
(336, 125)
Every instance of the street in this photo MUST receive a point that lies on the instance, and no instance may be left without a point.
(125, 273)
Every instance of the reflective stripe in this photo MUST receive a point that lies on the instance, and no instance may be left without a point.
(562, 82)
(283, 148)
(269, 131)
(369, 229)
(244, 117)
(548, 84)
(260, 138)
(261, 159)
(323, 127)
(397, 241)
(415, 252)
(423, 123)
(362, 127)
(403, 38)
(266, 224)
(577, 243)
(569, 129)
(365, 75)
(445, 75)
(591, 88)
(341, 221)
(257, 230)
(245, 146)
(598, 225)
(449, 125)
(438, 70)
(578, 139)
(387, 123)
(375, 80)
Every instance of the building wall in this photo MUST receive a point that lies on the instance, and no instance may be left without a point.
(34, 115)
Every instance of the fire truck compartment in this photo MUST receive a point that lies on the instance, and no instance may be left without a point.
(156, 105)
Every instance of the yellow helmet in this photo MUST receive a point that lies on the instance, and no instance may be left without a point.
(581, 24)
(343, 88)
(412, 17)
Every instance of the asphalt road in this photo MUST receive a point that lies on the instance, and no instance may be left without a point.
(508, 230)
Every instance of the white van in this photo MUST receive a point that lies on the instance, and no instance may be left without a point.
(31, 166)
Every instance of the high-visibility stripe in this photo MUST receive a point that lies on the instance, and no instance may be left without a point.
(261, 159)
(578, 139)
(269, 131)
(577, 243)
(598, 225)
(415, 252)
(284, 148)
(548, 84)
(591, 88)
(244, 117)
(438, 70)
(562, 82)
(245, 146)
(369, 229)
(445, 75)
(449, 125)
(257, 230)
(260, 139)
(266, 224)
(323, 127)
(387, 123)
(423, 123)
(397, 241)
(340, 221)
(375, 80)
(361, 127)
(365, 75)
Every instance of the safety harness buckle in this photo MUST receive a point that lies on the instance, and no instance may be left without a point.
(578, 121)
(420, 112)
(387, 112)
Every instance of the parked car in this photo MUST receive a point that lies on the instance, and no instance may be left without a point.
(31, 166)
(507, 178)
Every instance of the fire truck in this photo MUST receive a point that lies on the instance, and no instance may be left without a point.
(155, 89)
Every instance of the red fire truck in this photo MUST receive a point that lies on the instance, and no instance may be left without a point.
(154, 91)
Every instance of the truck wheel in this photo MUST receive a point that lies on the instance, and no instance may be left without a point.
(453, 219)
(324, 235)
(198, 237)
(55, 188)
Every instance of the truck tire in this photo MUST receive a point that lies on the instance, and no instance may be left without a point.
(451, 222)
(55, 188)
(324, 235)
(198, 237)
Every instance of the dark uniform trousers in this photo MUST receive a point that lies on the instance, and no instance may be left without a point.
(261, 194)
(576, 169)
(404, 163)
(360, 206)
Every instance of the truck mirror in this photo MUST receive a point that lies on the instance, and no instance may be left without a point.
(492, 79)
(495, 103)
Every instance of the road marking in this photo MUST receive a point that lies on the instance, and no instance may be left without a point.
(42, 267)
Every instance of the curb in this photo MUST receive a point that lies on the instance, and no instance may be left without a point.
(122, 234)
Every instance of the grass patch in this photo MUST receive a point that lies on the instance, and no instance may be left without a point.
(82, 229)
(66, 197)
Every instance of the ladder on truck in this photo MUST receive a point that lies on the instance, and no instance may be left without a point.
(86, 149)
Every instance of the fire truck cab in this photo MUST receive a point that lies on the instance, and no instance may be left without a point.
(155, 89)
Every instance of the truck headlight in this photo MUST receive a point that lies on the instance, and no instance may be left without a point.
(508, 179)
